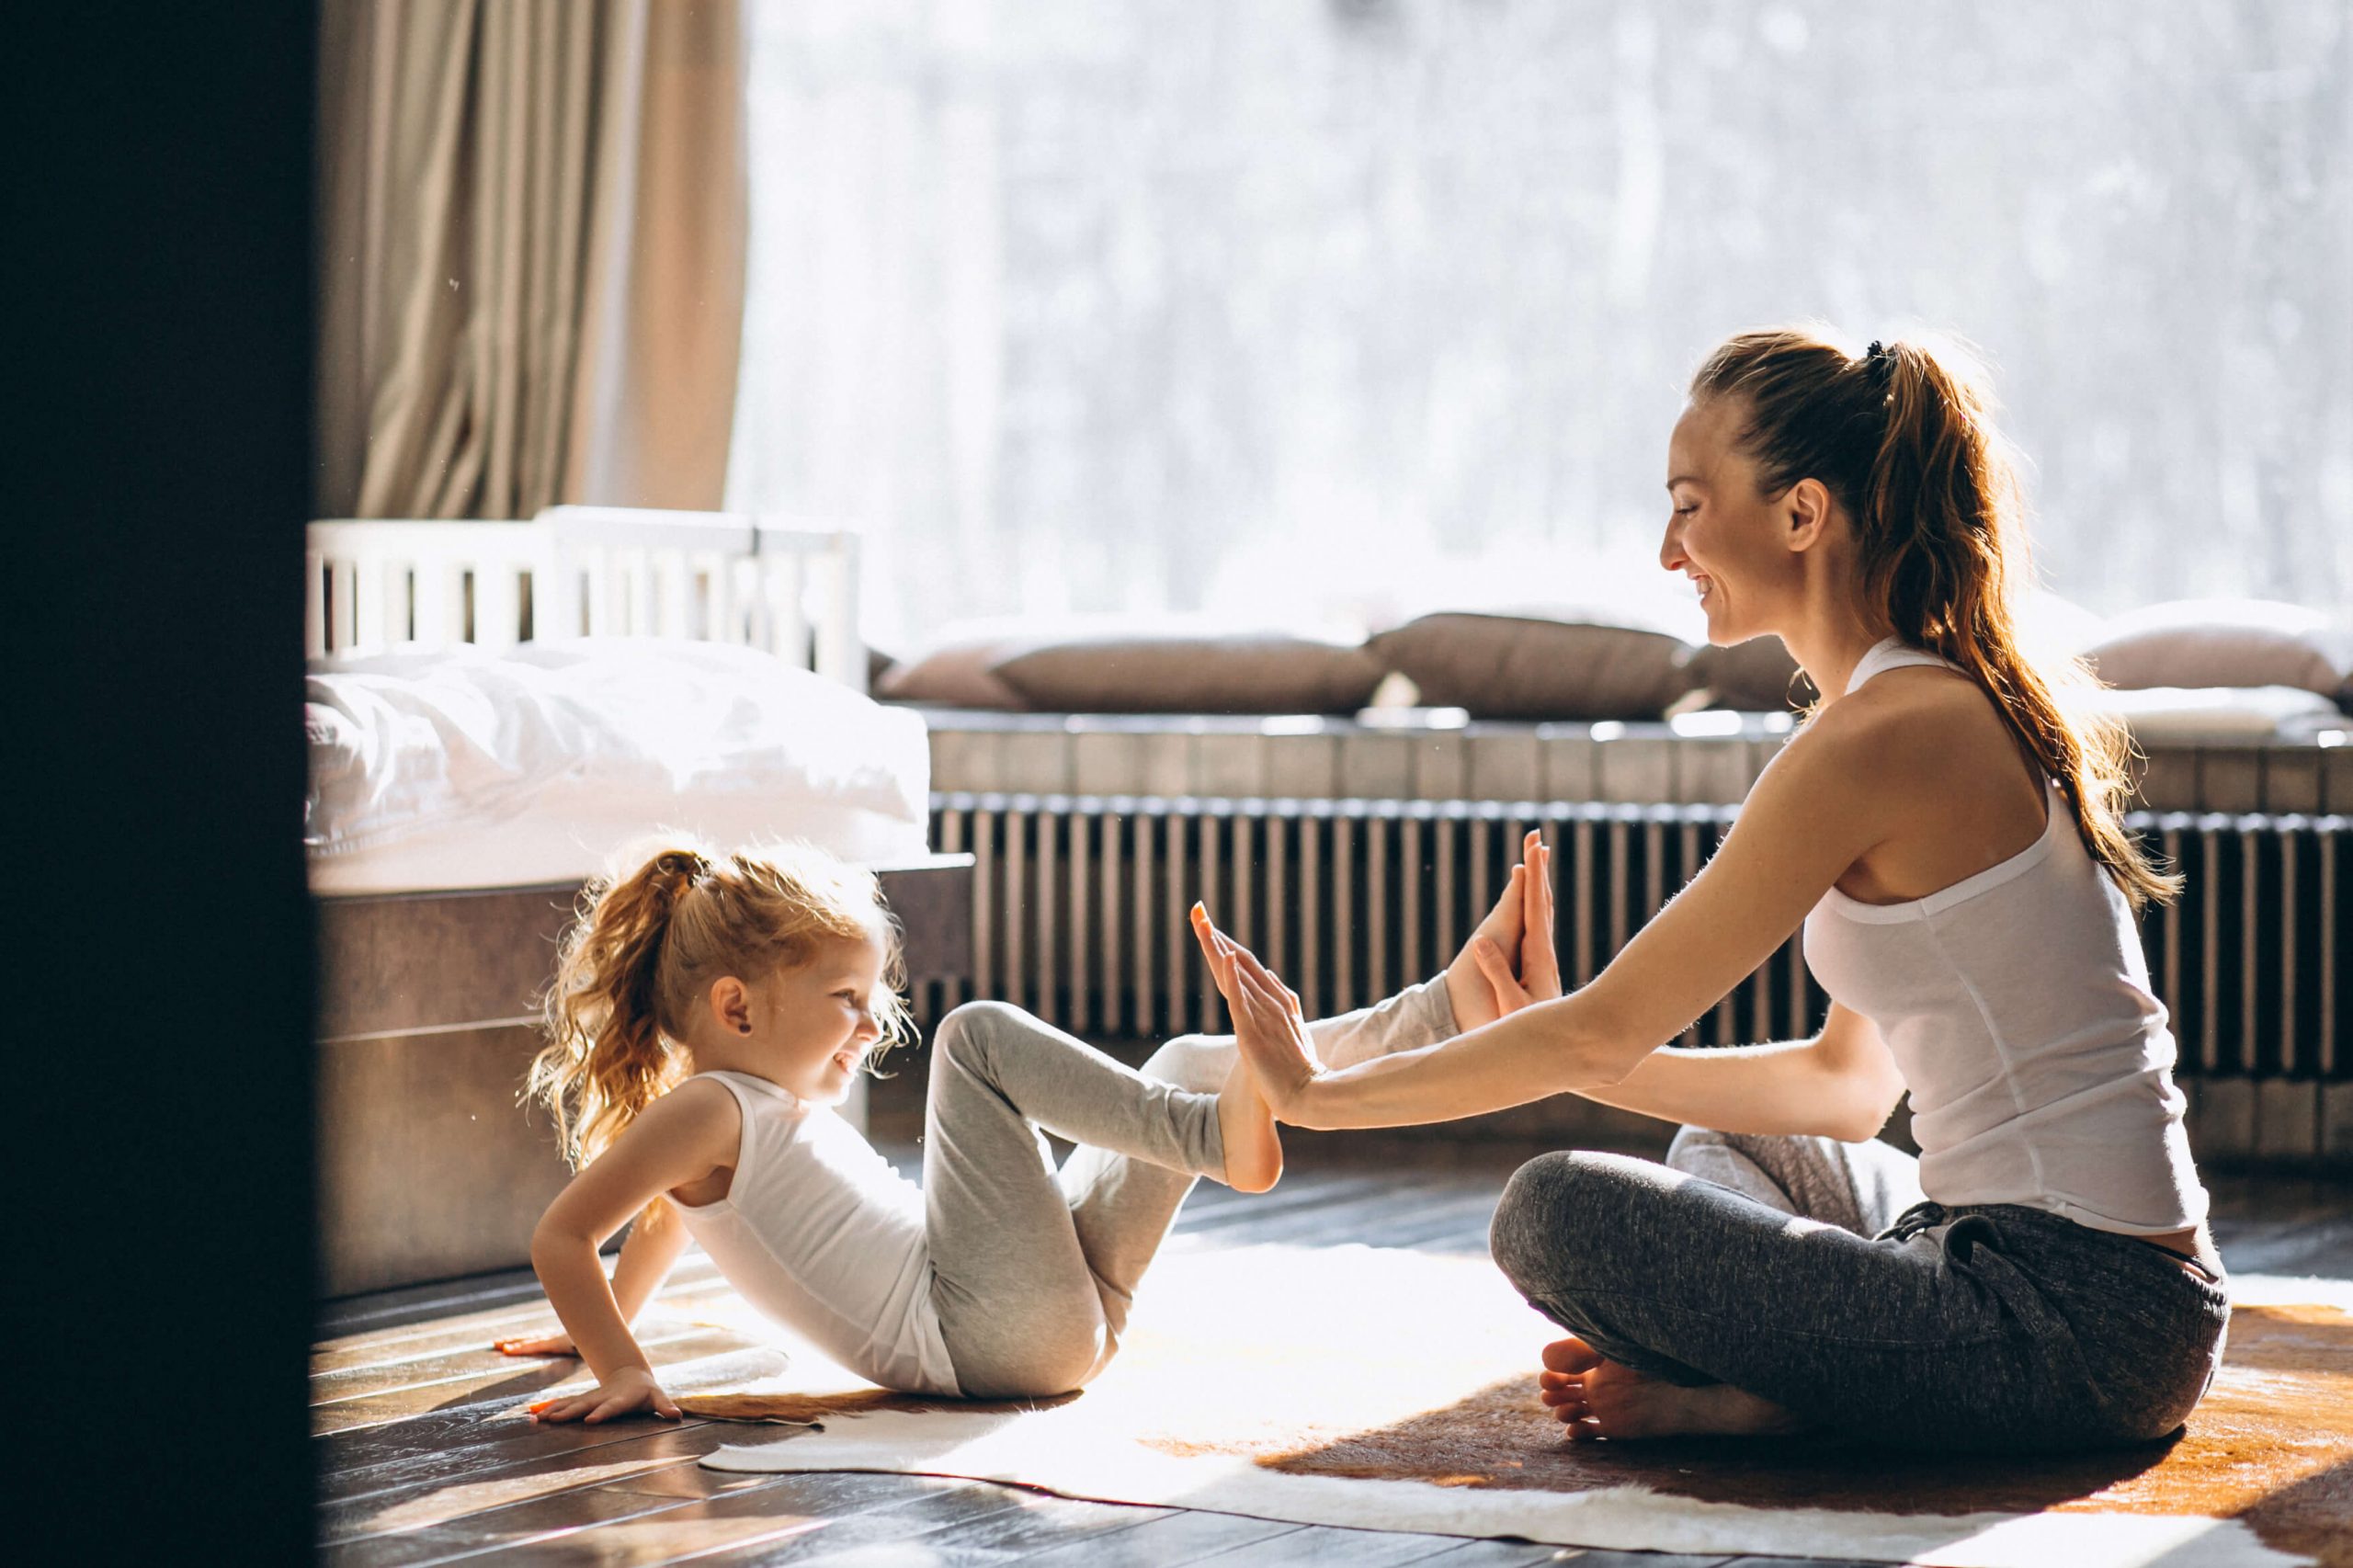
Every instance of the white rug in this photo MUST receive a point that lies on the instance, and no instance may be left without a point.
(1351, 1335)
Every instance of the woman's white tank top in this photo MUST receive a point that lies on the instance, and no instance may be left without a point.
(821, 1235)
(2016, 1004)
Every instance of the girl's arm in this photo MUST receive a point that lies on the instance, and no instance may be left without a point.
(653, 1245)
(680, 1138)
(1815, 812)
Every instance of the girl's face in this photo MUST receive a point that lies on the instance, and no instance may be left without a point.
(814, 1021)
(1732, 542)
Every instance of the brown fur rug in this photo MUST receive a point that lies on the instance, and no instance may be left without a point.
(2271, 1444)
(1362, 1365)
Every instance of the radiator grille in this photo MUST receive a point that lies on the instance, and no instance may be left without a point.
(1079, 912)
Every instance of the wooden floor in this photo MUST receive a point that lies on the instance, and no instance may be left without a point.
(421, 1462)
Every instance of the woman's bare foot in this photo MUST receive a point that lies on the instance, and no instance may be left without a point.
(1254, 1149)
(1598, 1398)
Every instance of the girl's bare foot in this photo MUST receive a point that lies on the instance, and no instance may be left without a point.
(1254, 1149)
(1596, 1398)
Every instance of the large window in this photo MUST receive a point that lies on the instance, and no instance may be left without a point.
(1322, 310)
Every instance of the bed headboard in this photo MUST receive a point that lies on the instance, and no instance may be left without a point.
(787, 586)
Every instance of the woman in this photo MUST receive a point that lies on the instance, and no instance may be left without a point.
(1949, 834)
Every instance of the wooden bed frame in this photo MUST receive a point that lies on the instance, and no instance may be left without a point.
(428, 1168)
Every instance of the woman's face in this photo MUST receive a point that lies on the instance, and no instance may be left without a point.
(1732, 543)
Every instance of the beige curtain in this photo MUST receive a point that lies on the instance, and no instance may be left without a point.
(531, 253)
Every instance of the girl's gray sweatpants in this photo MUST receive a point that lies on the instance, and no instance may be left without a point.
(1816, 1274)
(1033, 1270)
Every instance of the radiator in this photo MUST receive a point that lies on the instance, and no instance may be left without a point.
(1079, 909)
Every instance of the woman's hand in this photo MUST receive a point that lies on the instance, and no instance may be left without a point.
(1509, 963)
(535, 1345)
(1267, 1021)
(627, 1391)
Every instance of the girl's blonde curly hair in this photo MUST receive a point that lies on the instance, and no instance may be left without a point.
(645, 950)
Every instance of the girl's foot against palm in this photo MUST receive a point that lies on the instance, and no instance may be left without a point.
(1596, 1398)
(1254, 1148)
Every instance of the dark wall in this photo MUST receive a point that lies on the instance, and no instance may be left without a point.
(159, 1094)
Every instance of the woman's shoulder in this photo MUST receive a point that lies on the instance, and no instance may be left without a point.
(1924, 753)
(1920, 721)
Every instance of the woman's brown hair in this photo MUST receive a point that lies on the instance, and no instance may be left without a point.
(1904, 439)
(647, 946)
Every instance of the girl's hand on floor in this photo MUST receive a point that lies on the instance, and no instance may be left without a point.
(626, 1393)
(535, 1345)
(1268, 1025)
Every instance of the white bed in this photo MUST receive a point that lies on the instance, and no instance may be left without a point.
(464, 767)
(505, 704)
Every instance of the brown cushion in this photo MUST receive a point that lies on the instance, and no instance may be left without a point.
(2221, 642)
(1754, 676)
(1540, 664)
(1177, 673)
(957, 673)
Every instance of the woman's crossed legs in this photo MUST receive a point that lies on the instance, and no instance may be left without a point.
(1755, 1284)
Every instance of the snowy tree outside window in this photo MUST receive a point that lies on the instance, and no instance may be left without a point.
(1335, 311)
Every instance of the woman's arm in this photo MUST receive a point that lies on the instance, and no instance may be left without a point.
(1842, 1083)
(1812, 814)
(680, 1138)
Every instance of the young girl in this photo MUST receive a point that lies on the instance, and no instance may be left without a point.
(708, 1012)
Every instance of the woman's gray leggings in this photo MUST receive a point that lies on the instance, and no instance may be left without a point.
(1033, 1270)
(1814, 1274)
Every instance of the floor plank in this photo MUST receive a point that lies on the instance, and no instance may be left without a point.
(439, 1499)
(1324, 1546)
(776, 1524)
(500, 1425)
(696, 1288)
(1030, 1523)
(475, 1363)
(1171, 1539)
(677, 1514)
(686, 1361)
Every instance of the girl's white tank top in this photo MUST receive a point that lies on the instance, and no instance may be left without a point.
(2016, 1004)
(821, 1235)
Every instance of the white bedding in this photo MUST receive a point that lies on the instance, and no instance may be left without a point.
(460, 769)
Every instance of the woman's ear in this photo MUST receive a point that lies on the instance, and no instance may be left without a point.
(731, 1004)
(1806, 513)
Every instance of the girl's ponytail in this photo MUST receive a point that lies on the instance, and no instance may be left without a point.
(608, 1055)
(1904, 436)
